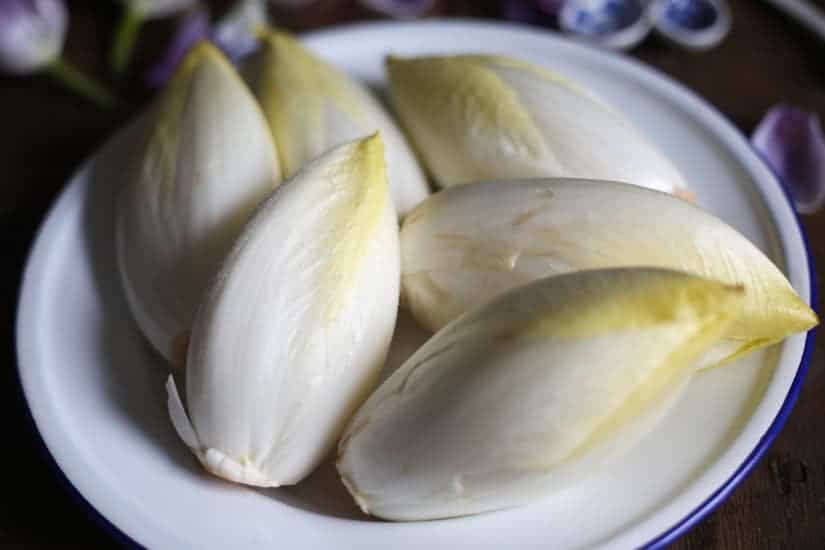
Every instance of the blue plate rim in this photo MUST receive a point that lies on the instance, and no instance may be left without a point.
(701, 512)
(707, 507)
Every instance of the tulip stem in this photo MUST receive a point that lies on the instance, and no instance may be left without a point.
(124, 42)
(81, 84)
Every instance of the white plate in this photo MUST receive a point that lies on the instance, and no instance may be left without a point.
(96, 390)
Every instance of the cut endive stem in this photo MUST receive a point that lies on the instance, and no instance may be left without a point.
(531, 392)
(294, 330)
(476, 118)
(206, 162)
(464, 245)
(311, 106)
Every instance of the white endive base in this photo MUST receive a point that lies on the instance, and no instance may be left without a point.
(214, 460)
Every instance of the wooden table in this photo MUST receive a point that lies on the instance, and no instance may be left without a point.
(46, 133)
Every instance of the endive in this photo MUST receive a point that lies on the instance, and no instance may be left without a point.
(467, 244)
(476, 118)
(530, 392)
(207, 161)
(311, 106)
(293, 332)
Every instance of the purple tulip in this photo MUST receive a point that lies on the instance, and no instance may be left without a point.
(135, 13)
(191, 29)
(234, 34)
(791, 142)
(31, 34)
(400, 9)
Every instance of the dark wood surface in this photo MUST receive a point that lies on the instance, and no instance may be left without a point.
(45, 133)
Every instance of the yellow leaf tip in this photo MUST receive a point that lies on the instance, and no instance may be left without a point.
(273, 37)
(807, 316)
(373, 140)
(369, 149)
(202, 53)
(262, 31)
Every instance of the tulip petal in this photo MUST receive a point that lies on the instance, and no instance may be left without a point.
(191, 29)
(531, 392)
(293, 332)
(235, 32)
(476, 118)
(467, 244)
(207, 162)
(31, 34)
(791, 142)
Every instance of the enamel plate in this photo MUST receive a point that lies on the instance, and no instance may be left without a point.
(97, 395)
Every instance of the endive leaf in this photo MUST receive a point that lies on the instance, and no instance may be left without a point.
(294, 330)
(311, 106)
(531, 391)
(207, 161)
(475, 118)
(466, 244)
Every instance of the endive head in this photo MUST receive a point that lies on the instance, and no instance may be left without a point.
(311, 107)
(206, 161)
(468, 243)
(476, 118)
(293, 87)
(293, 331)
(531, 391)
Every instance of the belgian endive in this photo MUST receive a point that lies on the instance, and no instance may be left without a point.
(477, 118)
(311, 106)
(467, 244)
(530, 392)
(207, 159)
(293, 332)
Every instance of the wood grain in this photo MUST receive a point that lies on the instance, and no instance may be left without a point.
(46, 132)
